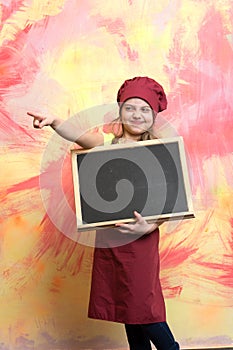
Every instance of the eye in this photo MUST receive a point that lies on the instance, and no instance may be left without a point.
(146, 109)
(129, 108)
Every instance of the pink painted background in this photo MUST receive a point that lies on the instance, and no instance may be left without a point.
(68, 56)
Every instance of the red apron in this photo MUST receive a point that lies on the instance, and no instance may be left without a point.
(125, 279)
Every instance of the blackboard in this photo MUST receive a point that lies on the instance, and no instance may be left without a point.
(110, 182)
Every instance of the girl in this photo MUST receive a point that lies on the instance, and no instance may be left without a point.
(125, 278)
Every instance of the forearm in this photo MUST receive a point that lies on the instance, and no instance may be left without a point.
(72, 131)
(65, 129)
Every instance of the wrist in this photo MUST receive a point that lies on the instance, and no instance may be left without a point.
(56, 123)
(152, 228)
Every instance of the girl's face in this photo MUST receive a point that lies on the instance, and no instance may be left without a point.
(137, 117)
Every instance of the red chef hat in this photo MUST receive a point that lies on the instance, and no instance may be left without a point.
(145, 88)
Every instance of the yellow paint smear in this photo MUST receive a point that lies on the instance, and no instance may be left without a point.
(37, 10)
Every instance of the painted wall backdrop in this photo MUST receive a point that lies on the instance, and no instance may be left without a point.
(67, 56)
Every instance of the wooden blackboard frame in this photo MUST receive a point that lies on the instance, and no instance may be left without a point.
(132, 149)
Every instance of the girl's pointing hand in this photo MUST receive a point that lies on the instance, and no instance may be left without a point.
(40, 121)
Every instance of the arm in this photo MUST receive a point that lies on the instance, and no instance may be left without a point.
(68, 130)
(140, 227)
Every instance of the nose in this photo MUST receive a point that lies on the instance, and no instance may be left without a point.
(137, 114)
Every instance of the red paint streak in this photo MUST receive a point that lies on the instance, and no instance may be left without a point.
(12, 200)
(56, 284)
(231, 222)
(175, 256)
(219, 272)
(202, 106)
(131, 54)
(231, 239)
(170, 291)
(18, 67)
(55, 244)
(67, 181)
(10, 131)
(60, 212)
(51, 241)
(10, 63)
(214, 45)
(78, 263)
(7, 11)
(113, 26)
(117, 26)
(31, 183)
(17, 64)
(208, 138)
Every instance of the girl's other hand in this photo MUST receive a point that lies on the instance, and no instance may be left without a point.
(40, 121)
(140, 227)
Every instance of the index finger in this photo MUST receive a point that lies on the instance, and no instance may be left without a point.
(32, 114)
(35, 116)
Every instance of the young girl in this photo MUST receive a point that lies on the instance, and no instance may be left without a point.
(125, 278)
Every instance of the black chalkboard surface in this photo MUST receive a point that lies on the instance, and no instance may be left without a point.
(110, 182)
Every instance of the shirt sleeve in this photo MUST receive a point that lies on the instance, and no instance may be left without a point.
(108, 137)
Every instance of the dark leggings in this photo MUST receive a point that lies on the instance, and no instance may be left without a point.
(139, 336)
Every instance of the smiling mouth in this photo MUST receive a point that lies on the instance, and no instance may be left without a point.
(136, 123)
